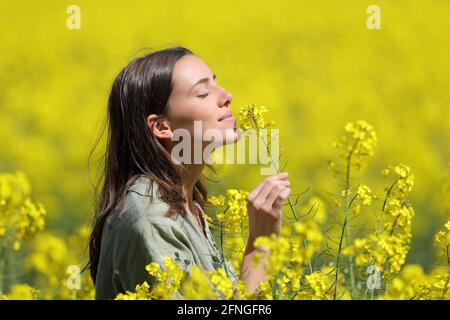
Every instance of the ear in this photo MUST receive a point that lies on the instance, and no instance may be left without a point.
(159, 127)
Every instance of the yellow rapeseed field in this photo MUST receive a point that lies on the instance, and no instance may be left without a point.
(364, 128)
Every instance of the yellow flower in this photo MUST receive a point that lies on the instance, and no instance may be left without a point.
(234, 219)
(142, 292)
(442, 237)
(198, 286)
(356, 209)
(217, 200)
(152, 268)
(222, 283)
(320, 282)
(242, 291)
(359, 145)
(251, 117)
(365, 194)
(405, 180)
(21, 292)
(447, 226)
(20, 218)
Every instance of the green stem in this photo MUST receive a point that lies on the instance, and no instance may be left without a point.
(2, 267)
(347, 207)
(12, 277)
(243, 236)
(346, 227)
(444, 291)
(384, 206)
(309, 261)
(221, 249)
(339, 258)
(275, 165)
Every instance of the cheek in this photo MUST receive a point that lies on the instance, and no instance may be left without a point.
(200, 112)
(184, 117)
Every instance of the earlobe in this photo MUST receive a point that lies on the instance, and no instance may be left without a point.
(163, 129)
(159, 127)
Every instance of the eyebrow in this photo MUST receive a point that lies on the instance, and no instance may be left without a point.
(202, 81)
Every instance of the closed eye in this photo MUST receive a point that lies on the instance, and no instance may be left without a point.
(203, 95)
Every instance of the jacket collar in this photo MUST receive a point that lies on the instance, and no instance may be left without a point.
(144, 186)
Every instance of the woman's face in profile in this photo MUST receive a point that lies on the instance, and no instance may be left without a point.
(196, 96)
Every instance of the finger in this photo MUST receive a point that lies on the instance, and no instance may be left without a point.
(274, 194)
(252, 195)
(279, 176)
(285, 194)
(284, 183)
(282, 197)
(262, 195)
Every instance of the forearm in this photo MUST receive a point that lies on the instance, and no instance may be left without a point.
(250, 273)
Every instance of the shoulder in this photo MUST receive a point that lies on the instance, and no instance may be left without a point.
(142, 209)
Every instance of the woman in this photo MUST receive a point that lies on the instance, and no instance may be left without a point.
(151, 203)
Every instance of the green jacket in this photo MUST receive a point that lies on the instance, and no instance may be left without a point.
(139, 233)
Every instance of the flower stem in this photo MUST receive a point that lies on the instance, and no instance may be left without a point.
(275, 165)
(2, 267)
(345, 232)
(444, 291)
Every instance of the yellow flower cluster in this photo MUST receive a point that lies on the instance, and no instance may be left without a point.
(279, 248)
(222, 283)
(442, 238)
(234, 217)
(302, 261)
(20, 219)
(297, 265)
(20, 291)
(442, 242)
(166, 281)
(388, 246)
(320, 283)
(358, 144)
(404, 181)
(365, 194)
(217, 200)
(292, 252)
(234, 248)
(48, 256)
(286, 282)
(412, 283)
(252, 117)
(168, 278)
(170, 281)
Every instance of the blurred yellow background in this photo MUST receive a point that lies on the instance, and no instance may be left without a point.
(314, 64)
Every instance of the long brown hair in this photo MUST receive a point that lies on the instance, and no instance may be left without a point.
(141, 88)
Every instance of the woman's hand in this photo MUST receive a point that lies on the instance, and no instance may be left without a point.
(264, 206)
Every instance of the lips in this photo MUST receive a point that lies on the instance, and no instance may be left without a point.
(226, 116)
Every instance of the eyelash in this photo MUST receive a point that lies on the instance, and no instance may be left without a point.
(203, 95)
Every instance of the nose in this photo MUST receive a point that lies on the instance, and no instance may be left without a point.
(226, 99)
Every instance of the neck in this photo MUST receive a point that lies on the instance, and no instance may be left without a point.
(192, 174)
